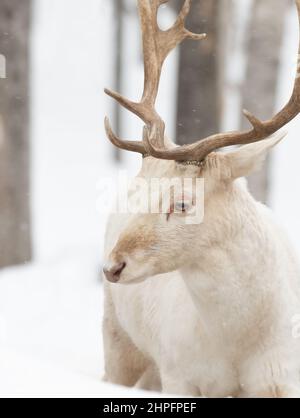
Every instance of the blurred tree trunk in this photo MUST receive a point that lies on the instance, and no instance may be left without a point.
(263, 54)
(15, 243)
(198, 109)
(118, 48)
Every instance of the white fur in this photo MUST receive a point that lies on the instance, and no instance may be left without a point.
(213, 313)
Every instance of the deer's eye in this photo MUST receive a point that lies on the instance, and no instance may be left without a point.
(181, 206)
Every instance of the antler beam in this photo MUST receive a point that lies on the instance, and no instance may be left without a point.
(157, 44)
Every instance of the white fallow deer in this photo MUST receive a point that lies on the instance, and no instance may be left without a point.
(204, 309)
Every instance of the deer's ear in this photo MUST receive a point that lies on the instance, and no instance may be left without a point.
(250, 158)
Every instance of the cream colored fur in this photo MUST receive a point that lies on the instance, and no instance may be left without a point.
(205, 309)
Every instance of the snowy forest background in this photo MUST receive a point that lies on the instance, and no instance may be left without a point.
(60, 54)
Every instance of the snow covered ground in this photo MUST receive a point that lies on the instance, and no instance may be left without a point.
(51, 310)
(50, 329)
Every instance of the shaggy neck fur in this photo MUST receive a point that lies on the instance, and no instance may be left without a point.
(224, 276)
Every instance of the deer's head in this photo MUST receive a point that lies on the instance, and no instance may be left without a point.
(155, 243)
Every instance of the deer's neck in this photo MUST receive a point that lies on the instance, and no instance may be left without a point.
(234, 262)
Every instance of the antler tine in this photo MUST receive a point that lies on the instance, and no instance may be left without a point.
(169, 39)
(135, 146)
(260, 130)
(157, 44)
(180, 23)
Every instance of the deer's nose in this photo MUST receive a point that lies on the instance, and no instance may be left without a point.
(113, 273)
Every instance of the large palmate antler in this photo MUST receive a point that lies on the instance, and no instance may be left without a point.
(157, 45)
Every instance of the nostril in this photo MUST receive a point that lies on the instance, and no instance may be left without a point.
(113, 273)
(118, 269)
